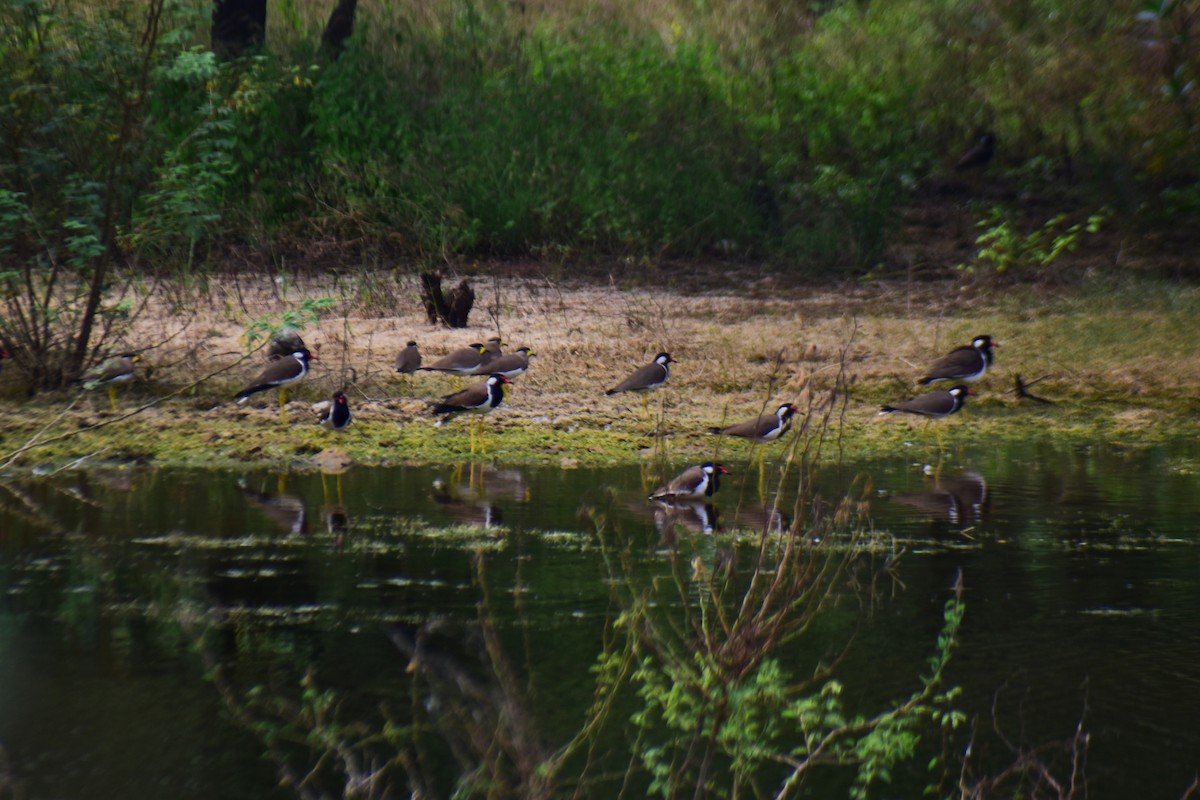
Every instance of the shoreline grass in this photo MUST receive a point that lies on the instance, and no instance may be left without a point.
(1121, 362)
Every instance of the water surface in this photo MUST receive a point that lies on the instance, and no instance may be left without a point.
(1080, 566)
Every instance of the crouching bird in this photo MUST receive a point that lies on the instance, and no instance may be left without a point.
(336, 415)
(279, 375)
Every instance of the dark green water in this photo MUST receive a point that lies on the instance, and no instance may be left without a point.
(1081, 568)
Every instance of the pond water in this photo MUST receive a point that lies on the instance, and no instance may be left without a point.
(138, 609)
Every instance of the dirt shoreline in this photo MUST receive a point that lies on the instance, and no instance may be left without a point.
(1120, 363)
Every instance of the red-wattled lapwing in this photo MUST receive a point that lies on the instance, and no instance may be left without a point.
(694, 483)
(110, 372)
(408, 360)
(979, 154)
(278, 375)
(647, 378)
(966, 363)
(462, 361)
(479, 398)
(932, 406)
(511, 365)
(336, 416)
(762, 429)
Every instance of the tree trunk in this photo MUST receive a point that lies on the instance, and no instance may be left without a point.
(338, 29)
(238, 26)
(451, 311)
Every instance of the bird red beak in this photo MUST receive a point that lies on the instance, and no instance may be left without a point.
(721, 469)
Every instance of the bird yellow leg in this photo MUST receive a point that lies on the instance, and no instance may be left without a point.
(283, 404)
(482, 449)
(324, 490)
(112, 398)
(341, 502)
(762, 476)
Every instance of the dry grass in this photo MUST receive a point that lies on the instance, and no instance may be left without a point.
(1120, 367)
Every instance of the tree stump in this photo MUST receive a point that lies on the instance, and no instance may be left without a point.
(452, 309)
(339, 28)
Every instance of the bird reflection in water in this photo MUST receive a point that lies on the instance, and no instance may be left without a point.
(690, 516)
(285, 511)
(960, 499)
(473, 501)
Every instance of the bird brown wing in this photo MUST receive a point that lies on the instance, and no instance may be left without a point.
(683, 482)
(408, 360)
(933, 404)
(753, 428)
(958, 362)
(642, 378)
(462, 358)
(474, 395)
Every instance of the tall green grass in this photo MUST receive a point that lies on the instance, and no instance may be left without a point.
(685, 128)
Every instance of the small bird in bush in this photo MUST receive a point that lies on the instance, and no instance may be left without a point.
(111, 371)
(284, 343)
(980, 153)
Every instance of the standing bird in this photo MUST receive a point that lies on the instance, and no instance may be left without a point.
(278, 375)
(512, 364)
(408, 360)
(763, 428)
(283, 343)
(336, 416)
(647, 378)
(966, 363)
(491, 352)
(479, 398)
(694, 483)
(462, 361)
(935, 405)
(980, 153)
(110, 372)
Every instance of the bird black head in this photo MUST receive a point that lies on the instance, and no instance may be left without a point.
(411, 343)
(665, 358)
